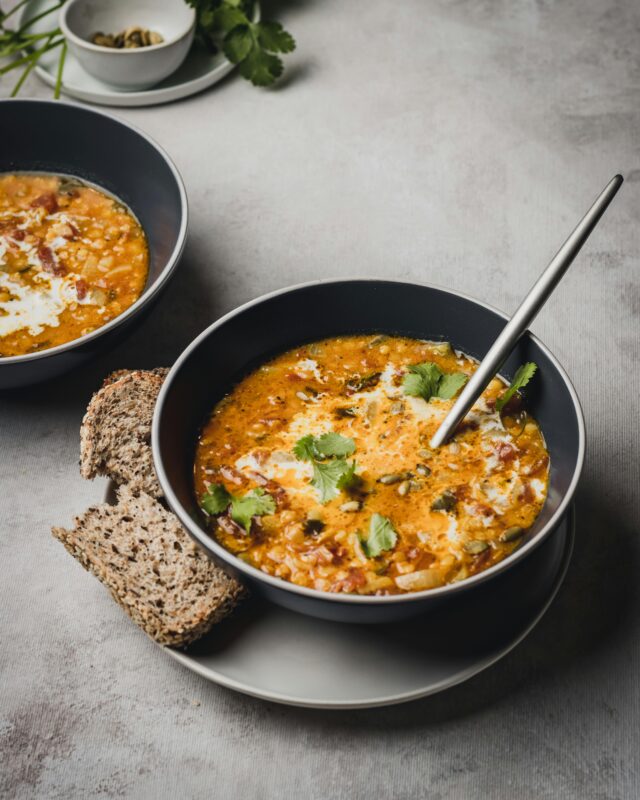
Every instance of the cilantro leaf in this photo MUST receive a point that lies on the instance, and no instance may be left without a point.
(259, 66)
(349, 477)
(238, 43)
(523, 375)
(304, 449)
(450, 384)
(255, 503)
(331, 476)
(333, 444)
(274, 38)
(326, 446)
(216, 500)
(427, 380)
(382, 536)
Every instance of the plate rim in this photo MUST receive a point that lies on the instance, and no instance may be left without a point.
(145, 97)
(404, 697)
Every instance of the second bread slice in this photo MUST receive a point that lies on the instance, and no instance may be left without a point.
(115, 437)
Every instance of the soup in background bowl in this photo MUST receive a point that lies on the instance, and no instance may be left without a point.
(72, 258)
(41, 138)
(237, 345)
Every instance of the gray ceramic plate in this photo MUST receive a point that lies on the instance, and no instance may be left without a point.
(199, 71)
(269, 652)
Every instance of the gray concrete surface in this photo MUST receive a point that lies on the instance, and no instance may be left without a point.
(454, 142)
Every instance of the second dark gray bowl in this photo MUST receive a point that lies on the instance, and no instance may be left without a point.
(254, 333)
(56, 137)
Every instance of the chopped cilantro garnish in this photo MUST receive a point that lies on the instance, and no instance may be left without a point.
(329, 477)
(427, 380)
(331, 471)
(216, 500)
(382, 536)
(326, 446)
(255, 503)
(522, 377)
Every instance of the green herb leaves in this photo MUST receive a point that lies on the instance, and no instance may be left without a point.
(382, 536)
(256, 503)
(332, 475)
(522, 377)
(251, 45)
(427, 380)
(325, 446)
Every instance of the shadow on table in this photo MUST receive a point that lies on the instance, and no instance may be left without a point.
(590, 615)
(188, 305)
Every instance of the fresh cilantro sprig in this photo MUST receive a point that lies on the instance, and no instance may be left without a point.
(327, 454)
(256, 503)
(523, 375)
(227, 24)
(427, 380)
(382, 536)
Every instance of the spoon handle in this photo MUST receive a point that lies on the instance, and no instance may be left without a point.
(526, 312)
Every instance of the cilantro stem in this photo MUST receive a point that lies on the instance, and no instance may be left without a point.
(34, 56)
(38, 17)
(61, 60)
(25, 74)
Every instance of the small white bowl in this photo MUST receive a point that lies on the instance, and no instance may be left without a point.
(136, 68)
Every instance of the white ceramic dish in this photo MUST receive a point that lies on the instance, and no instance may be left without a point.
(198, 72)
(269, 652)
(136, 68)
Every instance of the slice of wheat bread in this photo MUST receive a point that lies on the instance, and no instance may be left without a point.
(115, 437)
(141, 553)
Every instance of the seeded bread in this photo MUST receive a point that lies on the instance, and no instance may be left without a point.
(141, 553)
(115, 437)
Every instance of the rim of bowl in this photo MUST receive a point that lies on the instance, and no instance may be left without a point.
(131, 51)
(172, 262)
(209, 543)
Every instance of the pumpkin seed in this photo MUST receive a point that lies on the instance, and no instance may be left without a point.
(312, 526)
(345, 412)
(445, 502)
(442, 348)
(476, 547)
(378, 340)
(403, 489)
(424, 453)
(423, 469)
(387, 480)
(511, 534)
(352, 505)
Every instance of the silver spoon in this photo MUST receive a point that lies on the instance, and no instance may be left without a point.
(525, 314)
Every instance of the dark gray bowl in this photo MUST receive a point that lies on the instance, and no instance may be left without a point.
(257, 331)
(50, 136)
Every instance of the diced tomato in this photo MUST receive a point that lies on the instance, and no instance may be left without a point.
(81, 288)
(48, 201)
(49, 262)
(506, 452)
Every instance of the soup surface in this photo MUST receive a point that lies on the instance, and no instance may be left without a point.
(317, 469)
(71, 259)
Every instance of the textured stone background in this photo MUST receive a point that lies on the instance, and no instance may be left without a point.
(448, 141)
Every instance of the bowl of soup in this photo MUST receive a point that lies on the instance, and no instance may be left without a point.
(292, 439)
(93, 220)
